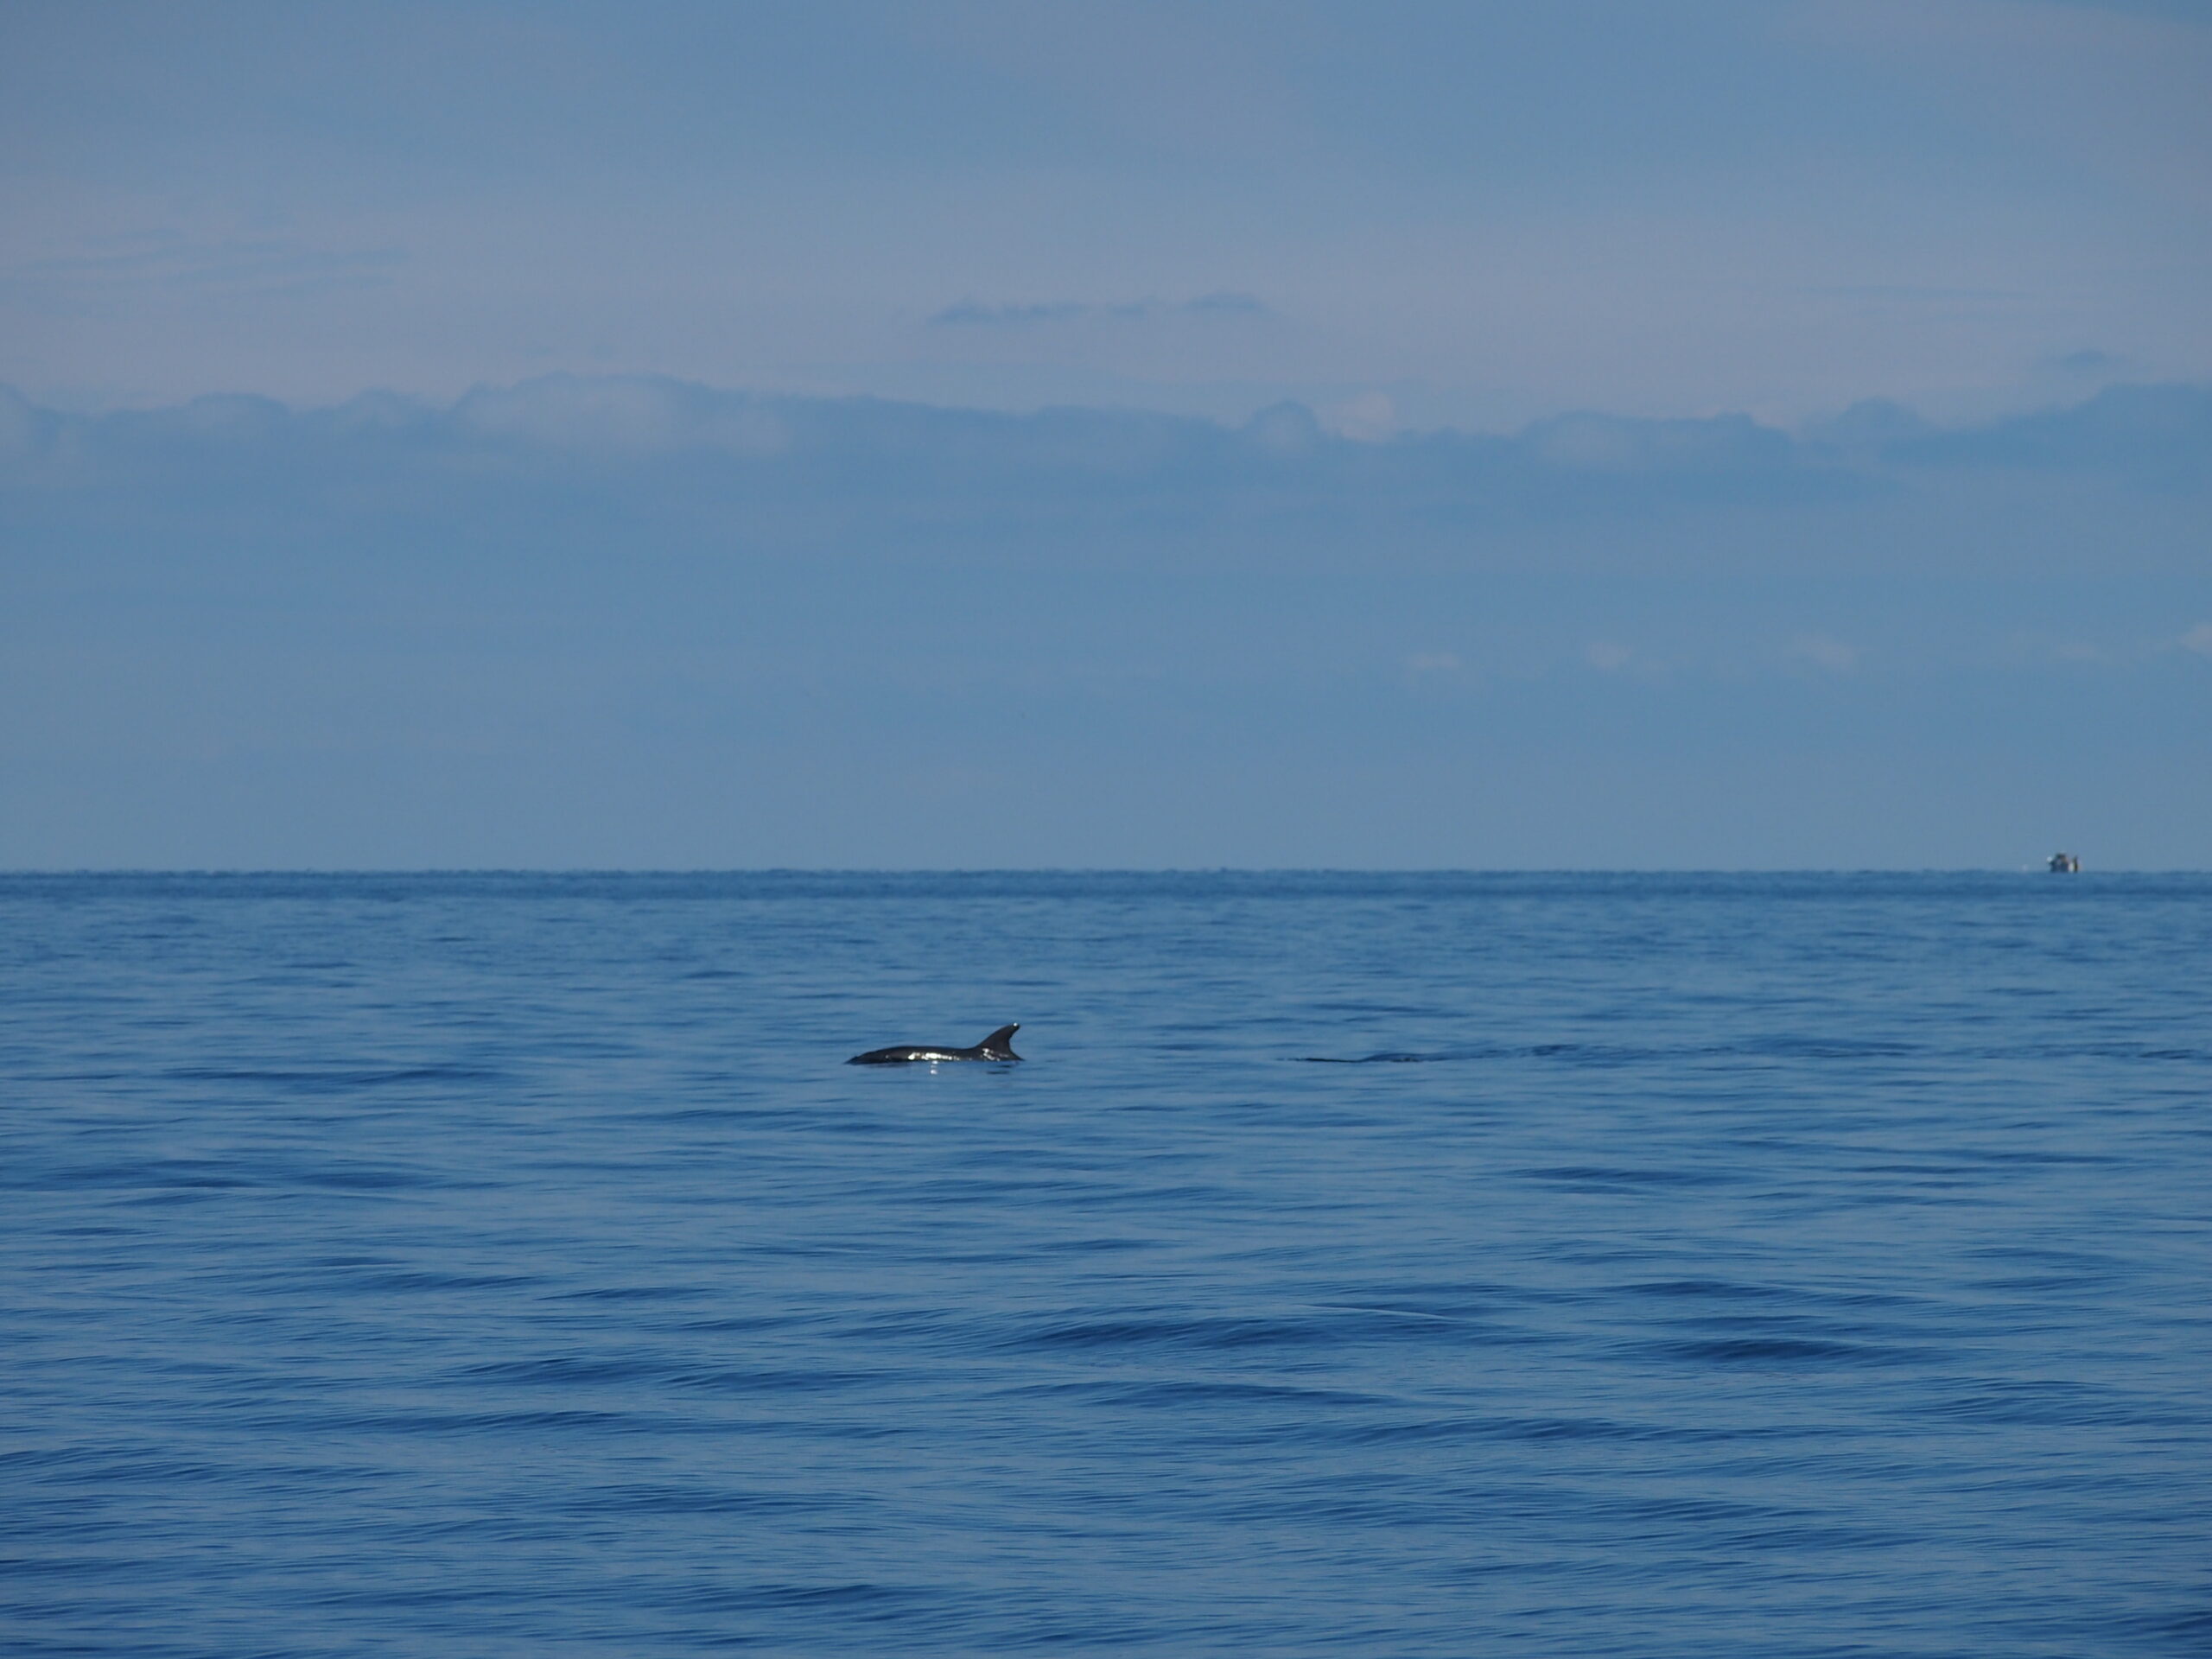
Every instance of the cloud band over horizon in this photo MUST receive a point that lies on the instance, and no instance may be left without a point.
(642, 622)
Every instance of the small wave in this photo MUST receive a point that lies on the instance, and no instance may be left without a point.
(1186, 1392)
(1613, 1054)
(816, 1597)
(635, 1293)
(1713, 1289)
(1776, 1350)
(422, 1281)
(1324, 1326)
(1372, 1059)
(2040, 1403)
(575, 1371)
(363, 1178)
(1229, 1332)
(558, 1371)
(661, 1497)
(1595, 1054)
(1596, 1178)
(169, 1174)
(334, 1081)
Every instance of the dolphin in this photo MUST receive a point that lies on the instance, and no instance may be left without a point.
(996, 1046)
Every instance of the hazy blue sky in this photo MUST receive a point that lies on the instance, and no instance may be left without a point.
(1481, 212)
(1726, 432)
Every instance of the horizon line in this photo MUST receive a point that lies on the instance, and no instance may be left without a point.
(243, 871)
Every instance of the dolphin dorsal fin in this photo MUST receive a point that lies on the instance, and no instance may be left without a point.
(999, 1041)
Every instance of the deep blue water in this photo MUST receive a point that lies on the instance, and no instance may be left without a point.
(1430, 1265)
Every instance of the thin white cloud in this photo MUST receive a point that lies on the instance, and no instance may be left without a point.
(1821, 652)
(1610, 443)
(2087, 363)
(1578, 470)
(251, 265)
(975, 313)
(1369, 418)
(621, 415)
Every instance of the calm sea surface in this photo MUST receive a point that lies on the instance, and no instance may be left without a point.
(1427, 1265)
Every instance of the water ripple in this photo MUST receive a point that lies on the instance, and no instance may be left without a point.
(497, 1265)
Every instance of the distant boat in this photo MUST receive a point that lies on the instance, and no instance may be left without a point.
(2064, 864)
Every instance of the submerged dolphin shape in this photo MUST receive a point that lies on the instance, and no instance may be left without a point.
(996, 1046)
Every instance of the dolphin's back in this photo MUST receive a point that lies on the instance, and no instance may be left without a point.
(999, 1045)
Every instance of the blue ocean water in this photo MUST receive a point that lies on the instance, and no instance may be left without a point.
(1397, 1265)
